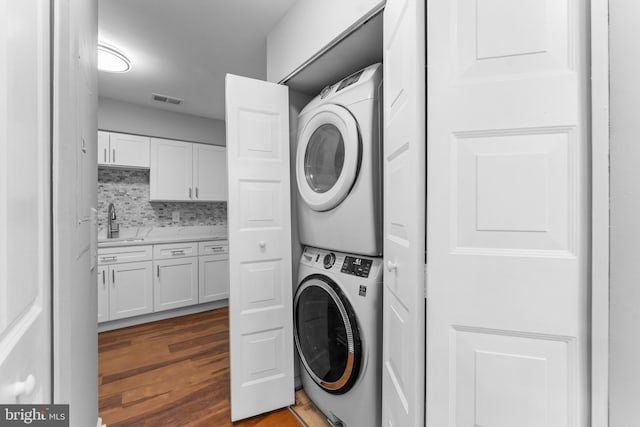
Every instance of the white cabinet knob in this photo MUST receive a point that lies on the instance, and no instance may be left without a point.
(24, 387)
(262, 244)
(392, 266)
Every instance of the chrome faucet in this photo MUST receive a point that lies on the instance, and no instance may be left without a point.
(112, 229)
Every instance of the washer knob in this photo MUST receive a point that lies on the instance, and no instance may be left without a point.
(329, 260)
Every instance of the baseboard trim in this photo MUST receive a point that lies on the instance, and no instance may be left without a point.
(162, 315)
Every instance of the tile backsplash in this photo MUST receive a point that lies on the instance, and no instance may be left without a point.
(128, 190)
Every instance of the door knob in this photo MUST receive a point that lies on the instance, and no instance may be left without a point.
(262, 244)
(392, 266)
(24, 387)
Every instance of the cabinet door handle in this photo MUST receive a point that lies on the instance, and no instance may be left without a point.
(103, 279)
(158, 270)
(105, 155)
(114, 156)
(196, 192)
(113, 278)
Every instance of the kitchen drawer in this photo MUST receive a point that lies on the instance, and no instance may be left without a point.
(175, 250)
(214, 248)
(124, 254)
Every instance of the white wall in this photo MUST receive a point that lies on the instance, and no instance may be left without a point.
(624, 364)
(308, 27)
(119, 116)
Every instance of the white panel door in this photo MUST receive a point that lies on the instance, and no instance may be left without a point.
(25, 245)
(170, 175)
(129, 150)
(404, 214)
(507, 243)
(131, 291)
(209, 172)
(259, 212)
(176, 283)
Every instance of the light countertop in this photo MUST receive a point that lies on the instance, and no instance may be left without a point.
(156, 235)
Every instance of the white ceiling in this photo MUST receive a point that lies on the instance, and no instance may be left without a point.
(184, 48)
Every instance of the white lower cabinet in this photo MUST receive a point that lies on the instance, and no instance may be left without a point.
(135, 280)
(131, 292)
(214, 277)
(103, 293)
(176, 283)
(125, 282)
(124, 290)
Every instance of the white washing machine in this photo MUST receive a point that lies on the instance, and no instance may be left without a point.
(337, 331)
(338, 166)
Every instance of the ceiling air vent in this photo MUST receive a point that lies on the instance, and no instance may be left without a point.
(167, 99)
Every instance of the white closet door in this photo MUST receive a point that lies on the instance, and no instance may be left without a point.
(508, 182)
(259, 212)
(25, 212)
(404, 214)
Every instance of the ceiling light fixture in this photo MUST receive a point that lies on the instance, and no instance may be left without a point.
(112, 60)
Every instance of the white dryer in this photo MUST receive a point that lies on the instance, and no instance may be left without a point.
(338, 166)
(337, 331)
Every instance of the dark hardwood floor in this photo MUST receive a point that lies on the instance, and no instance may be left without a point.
(173, 372)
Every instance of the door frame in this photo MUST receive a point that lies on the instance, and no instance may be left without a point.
(600, 212)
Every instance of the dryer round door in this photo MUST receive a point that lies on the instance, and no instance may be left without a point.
(326, 334)
(328, 157)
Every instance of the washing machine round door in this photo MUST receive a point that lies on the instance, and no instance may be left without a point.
(328, 157)
(326, 334)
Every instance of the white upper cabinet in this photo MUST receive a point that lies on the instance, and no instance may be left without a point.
(171, 166)
(209, 172)
(183, 171)
(306, 30)
(129, 150)
(118, 149)
(103, 148)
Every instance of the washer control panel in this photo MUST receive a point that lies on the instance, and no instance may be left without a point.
(328, 260)
(356, 266)
(352, 265)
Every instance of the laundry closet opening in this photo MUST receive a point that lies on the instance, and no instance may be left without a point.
(348, 56)
(324, 218)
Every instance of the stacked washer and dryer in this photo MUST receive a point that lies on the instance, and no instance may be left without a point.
(338, 302)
